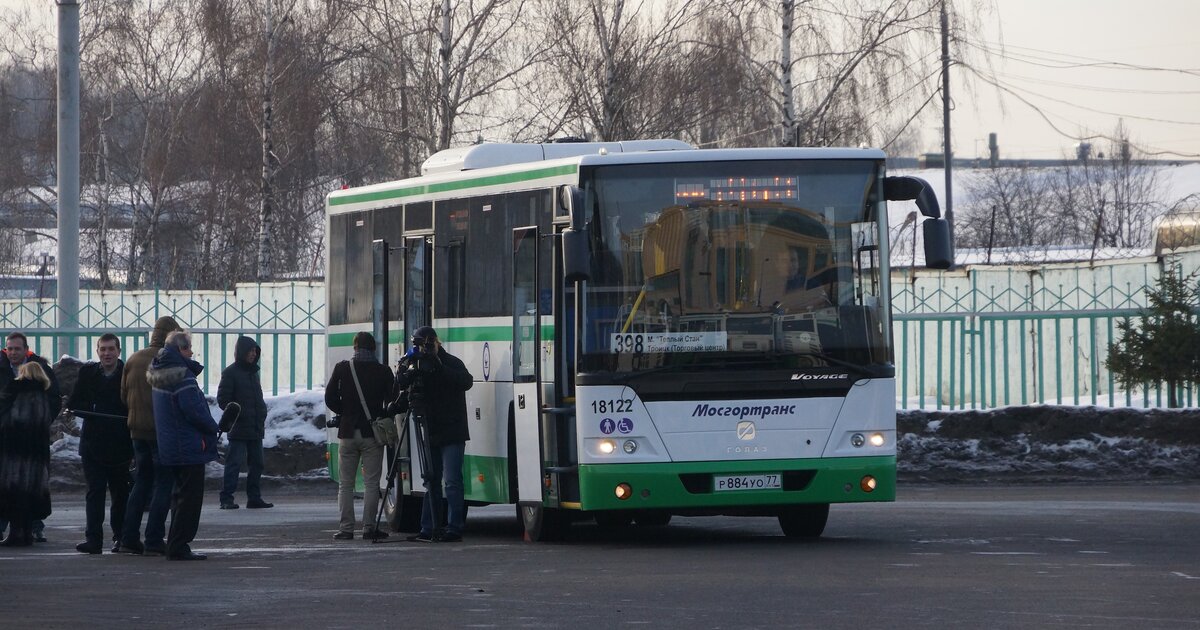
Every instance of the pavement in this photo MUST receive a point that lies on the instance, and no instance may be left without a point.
(994, 556)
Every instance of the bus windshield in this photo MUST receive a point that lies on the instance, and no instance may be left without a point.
(763, 263)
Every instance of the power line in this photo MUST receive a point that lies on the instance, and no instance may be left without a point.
(1092, 109)
(1002, 51)
(1145, 150)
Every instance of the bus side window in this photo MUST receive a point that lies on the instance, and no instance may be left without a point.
(359, 233)
(335, 275)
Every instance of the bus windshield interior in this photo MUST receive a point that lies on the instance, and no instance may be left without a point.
(764, 263)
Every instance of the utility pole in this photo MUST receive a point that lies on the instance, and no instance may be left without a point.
(946, 153)
(266, 222)
(68, 173)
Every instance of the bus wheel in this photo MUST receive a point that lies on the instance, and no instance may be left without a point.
(402, 512)
(542, 524)
(614, 519)
(804, 521)
(653, 519)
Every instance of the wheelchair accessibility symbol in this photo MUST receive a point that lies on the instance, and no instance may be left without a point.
(625, 425)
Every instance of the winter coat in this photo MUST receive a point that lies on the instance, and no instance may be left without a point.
(444, 390)
(24, 451)
(8, 375)
(187, 433)
(96, 399)
(135, 390)
(240, 383)
(342, 398)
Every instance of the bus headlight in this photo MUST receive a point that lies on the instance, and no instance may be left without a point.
(867, 483)
(607, 447)
(623, 491)
(857, 440)
(630, 447)
(877, 439)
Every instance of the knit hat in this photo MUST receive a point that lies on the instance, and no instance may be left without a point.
(425, 332)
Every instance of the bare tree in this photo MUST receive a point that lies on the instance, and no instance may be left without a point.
(624, 73)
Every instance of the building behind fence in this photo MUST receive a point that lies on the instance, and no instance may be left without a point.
(973, 338)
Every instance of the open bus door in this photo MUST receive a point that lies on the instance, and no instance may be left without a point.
(401, 508)
(534, 426)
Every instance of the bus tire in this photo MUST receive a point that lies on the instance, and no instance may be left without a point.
(614, 519)
(542, 524)
(653, 519)
(804, 521)
(403, 512)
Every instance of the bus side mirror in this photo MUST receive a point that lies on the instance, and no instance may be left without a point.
(913, 189)
(936, 233)
(935, 229)
(576, 261)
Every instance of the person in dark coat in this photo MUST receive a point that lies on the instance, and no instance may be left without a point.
(357, 446)
(187, 438)
(240, 384)
(434, 383)
(104, 444)
(16, 353)
(152, 482)
(25, 417)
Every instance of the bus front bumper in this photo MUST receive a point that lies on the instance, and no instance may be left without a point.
(700, 486)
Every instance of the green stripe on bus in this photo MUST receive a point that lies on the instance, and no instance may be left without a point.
(477, 182)
(460, 334)
(345, 340)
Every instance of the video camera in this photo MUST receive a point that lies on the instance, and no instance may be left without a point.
(420, 361)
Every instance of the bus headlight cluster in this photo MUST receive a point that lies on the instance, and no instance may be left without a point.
(858, 439)
(608, 446)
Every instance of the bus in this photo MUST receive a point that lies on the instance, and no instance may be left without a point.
(654, 330)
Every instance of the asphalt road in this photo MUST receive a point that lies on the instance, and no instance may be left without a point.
(1037, 556)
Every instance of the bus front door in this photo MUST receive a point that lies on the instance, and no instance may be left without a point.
(537, 504)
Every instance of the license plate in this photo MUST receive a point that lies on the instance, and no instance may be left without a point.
(746, 482)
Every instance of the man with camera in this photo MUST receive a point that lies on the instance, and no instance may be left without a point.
(433, 383)
(358, 392)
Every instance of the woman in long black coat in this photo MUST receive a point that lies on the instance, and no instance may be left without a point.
(25, 453)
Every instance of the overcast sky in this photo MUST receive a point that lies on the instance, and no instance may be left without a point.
(1085, 64)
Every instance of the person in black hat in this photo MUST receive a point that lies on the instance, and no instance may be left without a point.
(436, 383)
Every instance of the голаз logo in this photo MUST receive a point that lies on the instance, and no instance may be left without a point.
(745, 430)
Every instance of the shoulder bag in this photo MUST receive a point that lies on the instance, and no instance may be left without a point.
(384, 428)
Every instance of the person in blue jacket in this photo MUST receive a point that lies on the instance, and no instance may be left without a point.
(187, 438)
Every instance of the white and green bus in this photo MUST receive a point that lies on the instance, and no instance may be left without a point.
(654, 330)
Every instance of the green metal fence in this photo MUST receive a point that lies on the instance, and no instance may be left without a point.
(286, 319)
(975, 339)
(993, 337)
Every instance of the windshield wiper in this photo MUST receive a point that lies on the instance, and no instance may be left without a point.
(860, 369)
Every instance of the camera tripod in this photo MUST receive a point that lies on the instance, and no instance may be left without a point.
(424, 455)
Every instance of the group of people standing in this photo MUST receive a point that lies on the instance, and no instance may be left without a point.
(148, 411)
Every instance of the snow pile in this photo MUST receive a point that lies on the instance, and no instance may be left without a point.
(294, 439)
(297, 416)
(1046, 442)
